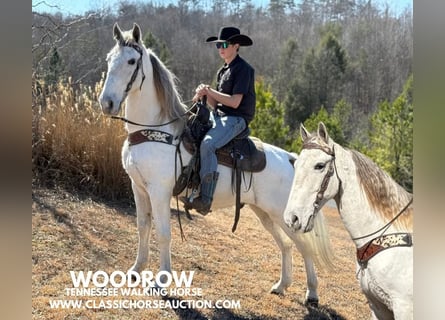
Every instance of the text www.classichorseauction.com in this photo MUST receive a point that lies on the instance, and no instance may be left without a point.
(129, 290)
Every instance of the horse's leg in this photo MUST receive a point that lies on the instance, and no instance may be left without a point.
(143, 213)
(312, 282)
(311, 298)
(161, 215)
(285, 245)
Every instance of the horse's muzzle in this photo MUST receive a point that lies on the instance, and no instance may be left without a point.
(109, 107)
(293, 222)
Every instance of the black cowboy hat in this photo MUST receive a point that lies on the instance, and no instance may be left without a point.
(232, 35)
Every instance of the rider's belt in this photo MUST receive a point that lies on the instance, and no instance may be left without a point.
(371, 248)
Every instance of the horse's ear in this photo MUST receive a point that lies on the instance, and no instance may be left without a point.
(304, 133)
(323, 132)
(136, 32)
(117, 33)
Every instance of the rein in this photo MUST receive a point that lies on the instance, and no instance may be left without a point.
(377, 244)
(386, 226)
(154, 125)
(144, 125)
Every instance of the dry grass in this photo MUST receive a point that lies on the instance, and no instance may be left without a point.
(69, 233)
(74, 144)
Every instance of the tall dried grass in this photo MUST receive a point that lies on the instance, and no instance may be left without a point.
(73, 145)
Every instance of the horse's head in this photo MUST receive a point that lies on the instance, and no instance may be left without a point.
(124, 69)
(314, 180)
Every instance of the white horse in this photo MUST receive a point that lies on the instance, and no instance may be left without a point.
(136, 75)
(375, 210)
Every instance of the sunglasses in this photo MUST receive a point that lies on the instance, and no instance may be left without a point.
(223, 45)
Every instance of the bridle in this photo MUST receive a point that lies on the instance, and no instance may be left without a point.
(325, 183)
(130, 85)
(136, 70)
(328, 175)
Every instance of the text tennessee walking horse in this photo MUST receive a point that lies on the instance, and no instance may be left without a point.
(136, 75)
(376, 211)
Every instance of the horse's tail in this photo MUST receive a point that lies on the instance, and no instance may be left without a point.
(320, 244)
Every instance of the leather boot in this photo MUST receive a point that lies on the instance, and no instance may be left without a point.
(203, 203)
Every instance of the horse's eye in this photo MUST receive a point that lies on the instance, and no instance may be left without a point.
(132, 61)
(319, 166)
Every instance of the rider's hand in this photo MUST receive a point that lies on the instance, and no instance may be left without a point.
(200, 91)
(196, 97)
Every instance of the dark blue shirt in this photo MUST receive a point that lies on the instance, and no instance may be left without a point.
(238, 77)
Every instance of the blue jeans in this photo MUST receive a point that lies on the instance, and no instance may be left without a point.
(224, 129)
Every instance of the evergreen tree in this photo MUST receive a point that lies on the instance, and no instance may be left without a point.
(331, 64)
(268, 124)
(333, 124)
(55, 68)
(287, 68)
(158, 47)
(296, 109)
(392, 137)
(343, 113)
(320, 81)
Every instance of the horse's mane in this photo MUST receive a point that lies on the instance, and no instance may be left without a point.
(166, 90)
(385, 196)
(164, 80)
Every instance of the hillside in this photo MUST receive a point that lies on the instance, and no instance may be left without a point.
(71, 233)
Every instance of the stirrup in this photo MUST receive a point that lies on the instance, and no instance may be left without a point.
(190, 204)
(202, 208)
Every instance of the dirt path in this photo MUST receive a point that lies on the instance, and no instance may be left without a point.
(80, 235)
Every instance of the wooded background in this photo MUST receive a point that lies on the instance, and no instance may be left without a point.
(347, 63)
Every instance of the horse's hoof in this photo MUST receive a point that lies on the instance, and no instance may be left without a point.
(311, 302)
(132, 277)
(277, 290)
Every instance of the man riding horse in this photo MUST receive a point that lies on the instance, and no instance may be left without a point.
(233, 103)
